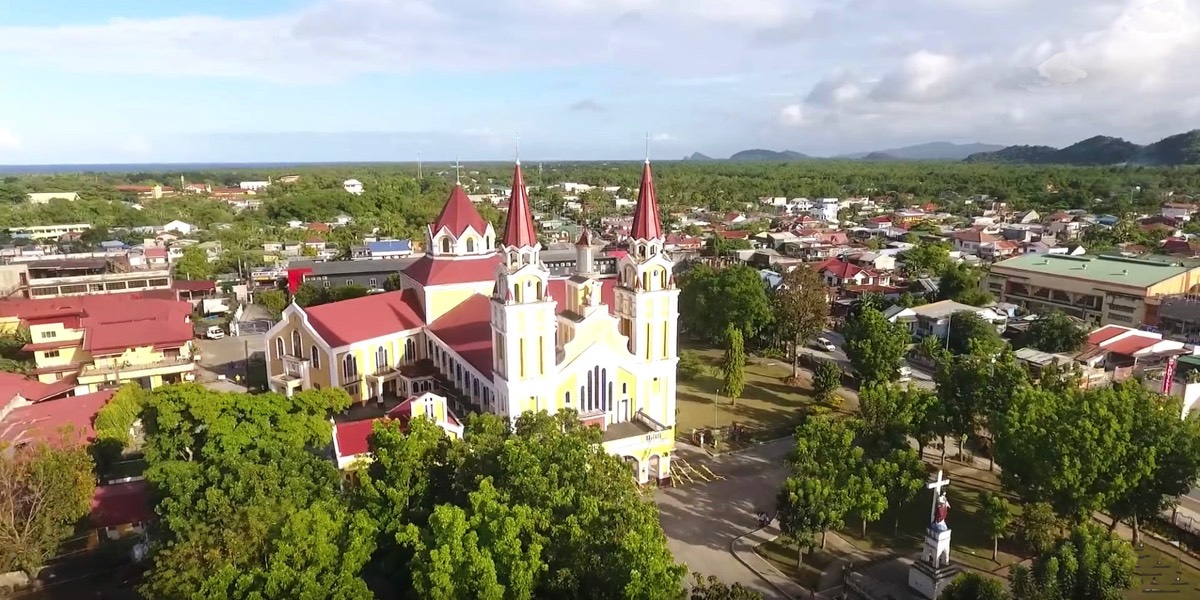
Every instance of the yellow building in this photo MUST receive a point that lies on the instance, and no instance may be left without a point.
(93, 342)
(1102, 290)
(480, 320)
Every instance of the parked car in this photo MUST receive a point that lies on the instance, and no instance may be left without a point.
(214, 333)
(905, 374)
(824, 344)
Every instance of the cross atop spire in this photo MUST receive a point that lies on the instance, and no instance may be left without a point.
(647, 147)
(457, 171)
(517, 147)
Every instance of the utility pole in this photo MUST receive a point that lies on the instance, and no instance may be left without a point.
(418, 165)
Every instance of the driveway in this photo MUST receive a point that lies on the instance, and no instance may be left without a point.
(702, 519)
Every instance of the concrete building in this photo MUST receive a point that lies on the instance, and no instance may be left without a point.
(1101, 290)
(46, 197)
(486, 326)
(51, 277)
(14, 281)
(937, 318)
(47, 232)
(352, 186)
(105, 340)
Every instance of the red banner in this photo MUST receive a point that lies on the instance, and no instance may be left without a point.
(1168, 375)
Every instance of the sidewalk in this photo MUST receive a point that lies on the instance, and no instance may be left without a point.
(743, 547)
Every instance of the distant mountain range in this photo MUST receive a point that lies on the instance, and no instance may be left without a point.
(1179, 149)
(930, 151)
(758, 154)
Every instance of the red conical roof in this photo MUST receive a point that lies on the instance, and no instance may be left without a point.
(646, 223)
(585, 238)
(458, 214)
(519, 231)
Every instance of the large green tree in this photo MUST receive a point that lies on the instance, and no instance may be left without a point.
(800, 306)
(193, 265)
(975, 390)
(975, 586)
(825, 472)
(961, 283)
(733, 368)
(874, 346)
(711, 300)
(247, 507)
(45, 489)
(1092, 564)
(926, 259)
(513, 513)
(967, 330)
(1078, 451)
(1055, 332)
(997, 518)
(1171, 446)
(826, 380)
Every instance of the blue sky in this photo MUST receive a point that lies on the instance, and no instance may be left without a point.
(312, 80)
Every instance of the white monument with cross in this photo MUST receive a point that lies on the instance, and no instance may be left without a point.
(930, 575)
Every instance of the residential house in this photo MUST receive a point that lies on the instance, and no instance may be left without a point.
(254, 186)
(937, 319)
(342, 220)
(876, 261)
(352, 186)
(46, 232)
(970, 240)
(318, 227)
(388, 249)
(838, 273)
(999, 250)
(101, 341)
(197, 188)
(826, 209)
(1179, 211)
(179, 227)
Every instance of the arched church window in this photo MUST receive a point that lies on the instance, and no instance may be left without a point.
(538, 290)
(487, 243)
(297, 350)
(446, 245)
(470, 244)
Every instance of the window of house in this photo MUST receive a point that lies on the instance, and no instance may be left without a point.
(297, 349)
(446, 245)
(349, 368)
(279, 347)
(349, 282)
(410, 350)
(372, 282)
(45, 335)
(381, 358)
(316, 358)
(51, 354)
(470, 244)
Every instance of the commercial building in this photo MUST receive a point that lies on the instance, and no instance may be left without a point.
(487, 326)
(1101, 290)
(102, 341)
(50, 277)
(47, 232)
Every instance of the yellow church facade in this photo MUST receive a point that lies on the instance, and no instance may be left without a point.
(480, 320)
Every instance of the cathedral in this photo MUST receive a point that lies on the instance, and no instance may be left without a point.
(480, 322)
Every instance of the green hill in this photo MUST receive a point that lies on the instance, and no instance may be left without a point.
(1181, 149)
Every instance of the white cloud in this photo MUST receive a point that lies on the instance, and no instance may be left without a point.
(662, 137)
(9, 140)
(1119, 77)
(841, 70)
(792, 115)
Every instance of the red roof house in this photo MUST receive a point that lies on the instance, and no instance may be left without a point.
(45, 421)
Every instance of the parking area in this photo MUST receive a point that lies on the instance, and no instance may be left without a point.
(254, 326)
(240, 358)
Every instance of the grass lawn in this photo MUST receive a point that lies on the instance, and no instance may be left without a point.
(766, 403)
(782, 556)
(968, 545)
(1157, 570)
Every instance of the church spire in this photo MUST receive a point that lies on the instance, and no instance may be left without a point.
(519, 231)
(646, 223)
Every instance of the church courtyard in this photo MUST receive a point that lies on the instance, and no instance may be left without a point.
(769, 407)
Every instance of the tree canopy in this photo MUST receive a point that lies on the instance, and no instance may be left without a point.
(1054, 331)
(712, 300)
(874, 346)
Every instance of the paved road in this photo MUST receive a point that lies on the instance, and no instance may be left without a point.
(920, 378)
(702, 519)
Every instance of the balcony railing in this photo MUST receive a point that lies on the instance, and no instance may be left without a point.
(131, 368)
